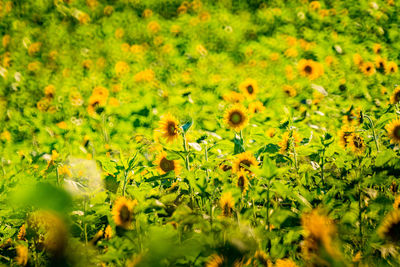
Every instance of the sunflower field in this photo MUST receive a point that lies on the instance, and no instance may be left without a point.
(199, 133)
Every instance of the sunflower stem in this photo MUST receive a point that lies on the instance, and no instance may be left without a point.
(322, 166)
(268, 223)
(373, 132)
(125, 181)
(185, 147)
(360, 214)
(293, 143)
(105, 134)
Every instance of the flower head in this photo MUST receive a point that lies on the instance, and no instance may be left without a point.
(169, 127)
(122, 212)
(236, 117)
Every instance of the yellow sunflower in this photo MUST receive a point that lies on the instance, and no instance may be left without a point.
(243, 161)
(242, 182)
(122, 212)
(289, 90)
(256, 107)
(95, 102)
(318, 230)
(357, 59)
(310, 69)
(169, 127)
(22, 255)
(353, 117)
(393, 129)
(284, 144)
(390, 226)
(233, 97)
(165, 165)
(395, 97)
(227, 203)
(344, 134)
(215, 261)
(377, 48)
(380, 63)
(391, 67)
(51, 231)
(368, 68)
(262, 258)
(236, 117)
(356, 144)
(249, 87)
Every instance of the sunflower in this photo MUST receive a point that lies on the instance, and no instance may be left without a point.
(318, 225)
(262, 258)
(242, 181)
(122, 212)
(22, 255)
(393, 129)
(310, 69)
(256, 107)
(215, 261)
(390, 227)
(49, 230)
(391, 67)
(165, 165)
(318, 230)
(244, 161)
(233, 97)
(380, 63)
(249, 87)
(227, 203)
(368, 68)
(344, 134)
(356, 144)
(95, 104)
(377, 48)
(289, 90)
(169, 127)
(352, 117)
(357, 59)
(395, 97)
(108, 232)
(236, 117)
(285, 142)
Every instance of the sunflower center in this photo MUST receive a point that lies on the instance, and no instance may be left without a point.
(171, 128)
(96, 103)
(124, 214)
(346, 137)
(397, 97)
(308, 69)
(236, 117)
(368, 68)
(396, 131)
(241, 182)
(245, 162)
(394, 231)
(167, 165)
(250, 89)
(357, 142)
(391, 69)
(226, 209)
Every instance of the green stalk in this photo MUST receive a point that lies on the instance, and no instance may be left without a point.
(373, 132)
(125, 181)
